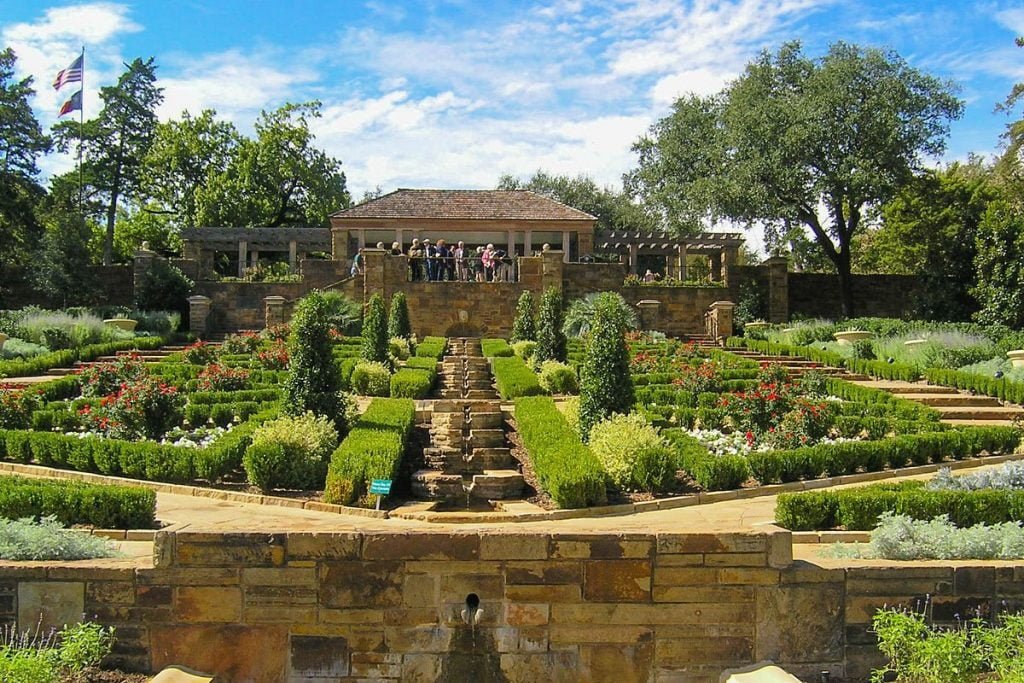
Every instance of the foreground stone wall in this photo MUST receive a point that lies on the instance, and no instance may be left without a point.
(817, 295)
(113, 287)
(553, 607)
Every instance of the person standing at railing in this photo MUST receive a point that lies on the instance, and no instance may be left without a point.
(477, 264)
(416, 261)
(396, 249)
(459, 254)
(488, 262)
(445, 267)
(430, 251)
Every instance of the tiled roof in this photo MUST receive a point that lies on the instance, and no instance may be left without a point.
(519, 205)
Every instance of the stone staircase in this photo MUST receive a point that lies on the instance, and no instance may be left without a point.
(149, 356)
(796, 365)
(468, 457)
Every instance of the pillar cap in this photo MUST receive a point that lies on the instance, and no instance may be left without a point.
(722, 305)
(274, 299)
(648, 303)
(199, 299)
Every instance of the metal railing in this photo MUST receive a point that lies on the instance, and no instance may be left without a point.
(466, 269)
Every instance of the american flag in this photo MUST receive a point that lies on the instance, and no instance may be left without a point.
(72, 74)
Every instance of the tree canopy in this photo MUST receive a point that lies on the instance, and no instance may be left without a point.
(814, 142)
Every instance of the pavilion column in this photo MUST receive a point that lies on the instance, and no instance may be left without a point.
(634, 254)
(716, 266)
(511, 243)
(528, 243)
(361, 236)
(255, 258)
(243, 248)
(400, 239)
(293, 252)
(729, 257)
(681, 263)
(565, 246)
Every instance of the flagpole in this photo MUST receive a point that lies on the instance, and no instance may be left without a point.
(81, 137)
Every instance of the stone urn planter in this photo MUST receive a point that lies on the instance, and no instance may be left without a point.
(126, 324)
(1016, 358)
(848, 337)
(3, 338)
(915, 343)
(756, 325)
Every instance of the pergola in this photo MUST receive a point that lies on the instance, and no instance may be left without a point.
(202, 243)
(721, 248)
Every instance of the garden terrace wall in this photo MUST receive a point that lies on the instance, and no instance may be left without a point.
(114, 287)
(817, 295)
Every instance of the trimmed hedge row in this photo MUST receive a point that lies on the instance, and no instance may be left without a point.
(894, 405)
(712, 472)
(372, 450)
(568, 471)
(67, 357)
(72, 502)
(431, 347)
(649, 378)
(258, 395)
(222, 414)
(496, 348)
(514, 378)
(848, 457)
(140, 460)
(412, 382)
(858, 509)
(875, 368)
(1002, 388)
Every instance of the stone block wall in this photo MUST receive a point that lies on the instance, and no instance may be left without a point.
(817, 295)
(113, 287)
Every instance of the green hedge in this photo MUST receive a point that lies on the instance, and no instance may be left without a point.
(1002, 388)
(422, 363)
(875, 368)
(58, 359)
(431, 347)
(858, 509)
(374, 449)
(848, 457)
(712, 472)
(222, 414)
(495, 348)
(71, 502)
(567, 470)
(514, 378)
(257, 395)
(412, 382)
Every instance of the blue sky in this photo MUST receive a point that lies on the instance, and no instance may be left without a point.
(453, 93)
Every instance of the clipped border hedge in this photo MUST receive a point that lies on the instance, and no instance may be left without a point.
(712, 472)
(496, 348)
(858, 509)
(67, 357)
(412, 382)
(568, 471)
(875, 368)
(1002, 388)
(100, 505)
(374, 449)
(514, 378)
(432, 347)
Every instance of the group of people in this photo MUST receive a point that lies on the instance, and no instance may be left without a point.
(438, 261)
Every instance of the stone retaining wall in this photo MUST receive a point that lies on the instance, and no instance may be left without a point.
(553, 607)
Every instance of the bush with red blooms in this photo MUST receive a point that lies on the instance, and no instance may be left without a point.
(216, 377)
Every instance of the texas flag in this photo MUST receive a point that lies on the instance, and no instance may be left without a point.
(74, 103)
(72, 74)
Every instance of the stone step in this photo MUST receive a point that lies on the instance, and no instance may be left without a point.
(491, 420)
(980, 413)
(61, 372)
(901, 388)
(497, 485)
(490, 459)
(953, 399)
(434, 484)
(478, 394)
(487, 438)
(977, 423)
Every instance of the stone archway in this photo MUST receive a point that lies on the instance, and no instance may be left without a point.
(463, 329)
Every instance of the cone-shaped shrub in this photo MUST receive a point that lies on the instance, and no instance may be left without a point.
(398, 317)
(605, 385)
(375, 331)
(524, 328)
(550, 338)
(313, 379)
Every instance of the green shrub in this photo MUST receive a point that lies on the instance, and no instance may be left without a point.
(567, 470)
(290, 452)
(431, 347)
(558, 378)
(495, 348)
(633, 453)
(374, 449)
(523, 327)
(40, 364)
(524, 349)
(313, 382)
(162, 288)
(371, 379)
(412, 383)
(46, 539)
(514, 378)
(71, 502)
(398, 317)
(712, 472)
(399, 348)
(605, 385)
(551, 344)
(375, 331)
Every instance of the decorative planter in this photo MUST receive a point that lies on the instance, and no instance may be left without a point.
(3, 338)
(850, 336)
(125, 324)
(914, 343)
(1016, 358)
(756, 325)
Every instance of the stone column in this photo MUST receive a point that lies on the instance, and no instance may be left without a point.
(729, 257)
(243, 248)
(778, 288)
(293, 252)
(650, 314)
(551, 270)
(198, 313)
(565, 246)
(681, 262)
(142, 262)
(339, 244)
(511, 243)
(255, 259)
(634, 258)
(721, 312)
(273, 311)
(400, 239)
(528, 243)
(361, 236)
(715, 261)
(373, 268)
(585, 242)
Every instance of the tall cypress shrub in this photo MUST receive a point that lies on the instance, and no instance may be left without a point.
(375, 331)
(398, 317)
(550, 338)
(524, 328)
(313, 382)
(605, 384)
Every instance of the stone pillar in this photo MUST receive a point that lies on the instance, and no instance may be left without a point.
(715, 261)
(721, 314)
(293, 252)
(142, 262)
(339, 244)
(273, 311)
(373, 269)
(565, 246)
(634, 258)
(650, 314)
(255, 257)
(361, 236)
(511, 243)
(400, 239)
(681, 263)
(198, 313)
(778, 288)
(243, 248)
(551, 270)
(528, 243)
(729, 257)
(585, 242)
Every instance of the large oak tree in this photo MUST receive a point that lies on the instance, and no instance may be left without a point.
(799, 140)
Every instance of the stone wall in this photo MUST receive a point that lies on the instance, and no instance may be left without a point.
(113, 287)
(553, 607)
(681, 311)
(814, 295)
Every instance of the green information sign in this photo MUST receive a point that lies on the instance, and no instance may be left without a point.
(381, 487)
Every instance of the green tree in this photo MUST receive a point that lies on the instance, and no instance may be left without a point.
(115, 143)
(579, 319)
(61, 266)
(278, 179)
(145, 223)
(524, 328)
(314, 382)
(398, 317)
(375, 331)
(1000, 264)
(813, 142)
(605, 384)
(184, 154)
(551, 344)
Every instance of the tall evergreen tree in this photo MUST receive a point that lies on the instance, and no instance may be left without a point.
(605, 384)
(115, 143)
(375, 331)
(524, 328)
(551, 343)
(313, 382)
(398, 317)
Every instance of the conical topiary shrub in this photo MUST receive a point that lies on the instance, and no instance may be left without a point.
(550, 338)
(605, 384)
(524, 328)
(313, 379)
(398, 318)
(375, 331)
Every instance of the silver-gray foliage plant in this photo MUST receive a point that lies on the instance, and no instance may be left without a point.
(1010, 476)
(27, 539)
